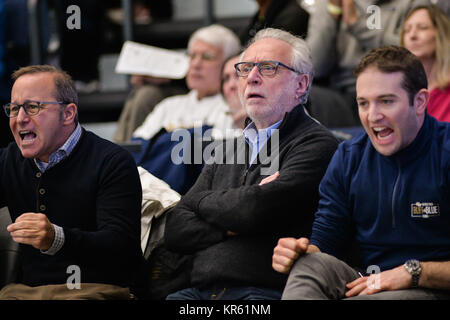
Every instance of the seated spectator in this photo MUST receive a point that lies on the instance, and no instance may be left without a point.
(426, 33)
(74, 198)
(146, 94)
(281, 14)
(342, 31)
(202, 109)
(387, 190)
(229, 88)
(231, 218)
(147, 91)
(208, 47)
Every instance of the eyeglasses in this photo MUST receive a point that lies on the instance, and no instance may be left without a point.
(204, 56)
(265, 68)
(31, 108)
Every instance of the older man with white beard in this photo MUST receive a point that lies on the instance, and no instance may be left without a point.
(231, 218)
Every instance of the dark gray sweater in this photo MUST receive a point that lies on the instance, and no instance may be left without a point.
(227, 197)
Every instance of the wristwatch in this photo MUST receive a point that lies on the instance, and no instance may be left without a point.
(414, 269)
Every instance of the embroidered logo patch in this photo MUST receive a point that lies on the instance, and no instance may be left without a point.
(425, 210)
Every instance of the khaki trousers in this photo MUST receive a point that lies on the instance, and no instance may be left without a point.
(87, 291)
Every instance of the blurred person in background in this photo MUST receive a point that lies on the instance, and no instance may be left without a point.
(287, 15)
(208, 47)
(340, 32)
(230, 86)
(201, 109)
(426, 33)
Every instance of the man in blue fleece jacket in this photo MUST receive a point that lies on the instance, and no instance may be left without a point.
(387, 190)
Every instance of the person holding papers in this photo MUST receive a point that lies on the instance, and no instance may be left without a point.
(203, 108)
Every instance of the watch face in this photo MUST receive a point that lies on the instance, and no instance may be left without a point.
(414, 268)
(415, 264)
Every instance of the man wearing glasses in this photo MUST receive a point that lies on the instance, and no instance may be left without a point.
(231, 218)
(73, 197)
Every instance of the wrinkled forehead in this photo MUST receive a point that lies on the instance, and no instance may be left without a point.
(33, 86)
(268, 49)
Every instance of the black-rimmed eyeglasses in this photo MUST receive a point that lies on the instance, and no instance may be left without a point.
(31, 108)
(265, 68)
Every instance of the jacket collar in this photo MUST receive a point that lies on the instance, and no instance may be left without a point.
(293, 118)
(296, 113)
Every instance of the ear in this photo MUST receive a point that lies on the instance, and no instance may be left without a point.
(421, 101)
(302, 81)
(69, 113)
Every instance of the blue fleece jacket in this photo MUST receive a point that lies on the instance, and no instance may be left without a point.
(396, 207)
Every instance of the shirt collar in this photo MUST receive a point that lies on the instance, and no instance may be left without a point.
(252, 134)
(256, 139)
(62, 151)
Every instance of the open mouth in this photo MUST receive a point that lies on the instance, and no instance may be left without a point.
(383, 133)
(254, 96)
(27, 136)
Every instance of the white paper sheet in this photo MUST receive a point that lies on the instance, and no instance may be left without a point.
(137, 58)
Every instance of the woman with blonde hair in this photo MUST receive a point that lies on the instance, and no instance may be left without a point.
(426, 33)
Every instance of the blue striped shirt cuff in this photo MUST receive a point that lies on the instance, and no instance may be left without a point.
(58, 242)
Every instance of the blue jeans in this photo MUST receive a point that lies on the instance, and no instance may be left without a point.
(227, 293)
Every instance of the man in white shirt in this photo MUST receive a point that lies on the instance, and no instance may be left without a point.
(208, 48)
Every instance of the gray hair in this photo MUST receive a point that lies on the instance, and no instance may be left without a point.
(301, 59)
(218, 36)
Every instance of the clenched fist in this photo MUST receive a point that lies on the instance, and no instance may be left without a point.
(33, 229)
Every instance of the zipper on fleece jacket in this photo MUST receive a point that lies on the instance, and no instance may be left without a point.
(394, 193)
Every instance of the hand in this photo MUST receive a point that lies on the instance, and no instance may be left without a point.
(349, 14)
(270, 178)
(394, 279)
(337, 3)
(33, 229)
(287, 252)
(137, 80)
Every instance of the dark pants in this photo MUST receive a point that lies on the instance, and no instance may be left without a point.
(228, 293)
(321, 276)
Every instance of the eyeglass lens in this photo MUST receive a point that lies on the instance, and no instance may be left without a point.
(31, 108)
